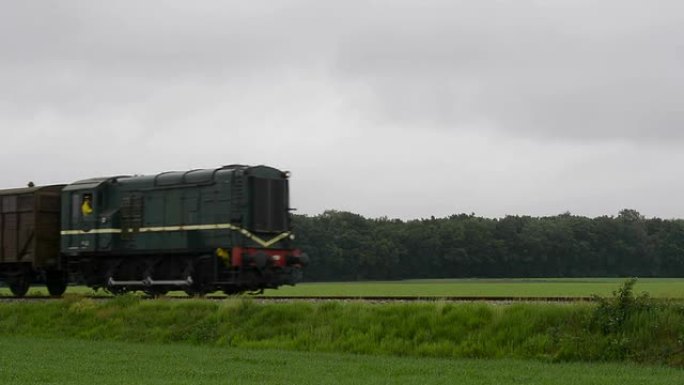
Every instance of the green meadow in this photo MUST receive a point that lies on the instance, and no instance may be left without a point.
(529, 287)
(40, 361)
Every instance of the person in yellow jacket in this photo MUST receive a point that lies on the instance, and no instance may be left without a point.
(86, 207)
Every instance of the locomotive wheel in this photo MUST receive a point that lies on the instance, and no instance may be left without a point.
(195, 291)
(116, 290)
(56, 283)
(250, 280)
(19, 286)
(155, 292)
(231, 290)
(200, 272)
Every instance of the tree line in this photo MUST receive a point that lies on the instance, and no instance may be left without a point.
(347, 246)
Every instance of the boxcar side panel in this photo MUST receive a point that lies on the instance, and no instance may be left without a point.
(9, 236)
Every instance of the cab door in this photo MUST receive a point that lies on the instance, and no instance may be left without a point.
(84, 222)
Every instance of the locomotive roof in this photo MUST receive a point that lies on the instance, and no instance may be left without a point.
(91, 183)
(31, 190)
(168, 178)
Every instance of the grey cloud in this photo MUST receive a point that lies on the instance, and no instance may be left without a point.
(578, 72)
(565, 69)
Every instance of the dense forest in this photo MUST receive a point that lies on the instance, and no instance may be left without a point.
(347, 246)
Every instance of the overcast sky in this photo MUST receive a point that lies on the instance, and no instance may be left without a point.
(385, 108)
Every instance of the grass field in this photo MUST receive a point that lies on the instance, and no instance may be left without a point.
(29, 361)
(538, 287)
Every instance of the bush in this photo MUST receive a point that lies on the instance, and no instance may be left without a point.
(639, 328)
(612, 312)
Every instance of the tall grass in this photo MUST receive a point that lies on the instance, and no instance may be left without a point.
(617, 329)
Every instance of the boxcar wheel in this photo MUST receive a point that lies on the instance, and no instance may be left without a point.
(56, 283)
(19, 286)
(56, 289)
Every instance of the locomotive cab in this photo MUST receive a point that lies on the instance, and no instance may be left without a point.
(86, 220)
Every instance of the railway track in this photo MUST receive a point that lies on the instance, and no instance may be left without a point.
(371, 299)
(432, 299)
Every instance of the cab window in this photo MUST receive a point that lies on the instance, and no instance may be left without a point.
(81, 205)
(86, 204)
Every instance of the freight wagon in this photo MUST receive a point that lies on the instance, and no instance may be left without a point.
(29, 239)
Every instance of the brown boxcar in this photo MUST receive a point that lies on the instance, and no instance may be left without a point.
(29, 238)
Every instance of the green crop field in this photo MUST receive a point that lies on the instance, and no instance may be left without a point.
(541, 287)
(538, 287)
(29, 361)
